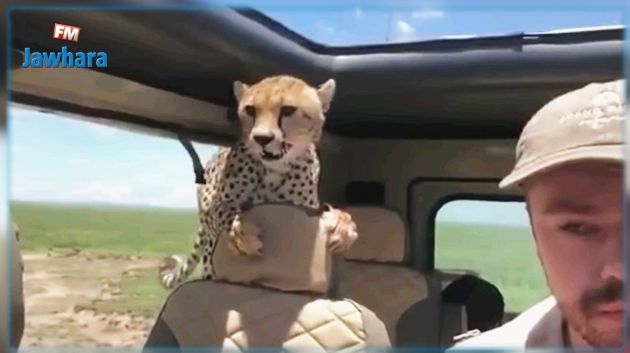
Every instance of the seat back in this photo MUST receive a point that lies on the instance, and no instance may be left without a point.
(294, 247)
(373, 274)
(277, 300)
(482, 301)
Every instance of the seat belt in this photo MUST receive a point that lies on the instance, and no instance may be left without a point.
(197, 167)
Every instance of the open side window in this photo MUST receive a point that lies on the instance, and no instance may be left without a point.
(491, 239)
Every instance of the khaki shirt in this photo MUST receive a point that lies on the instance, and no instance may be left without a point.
(540, 326)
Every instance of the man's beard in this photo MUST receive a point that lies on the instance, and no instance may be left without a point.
(579, 315)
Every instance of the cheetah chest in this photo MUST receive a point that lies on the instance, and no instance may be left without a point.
(294, 185)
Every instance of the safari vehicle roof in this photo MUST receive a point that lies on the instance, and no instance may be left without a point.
(477, 87)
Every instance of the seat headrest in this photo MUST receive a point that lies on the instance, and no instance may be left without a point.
(382, 235)
(295, 253)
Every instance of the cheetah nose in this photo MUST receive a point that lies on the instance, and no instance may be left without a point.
(263, 140)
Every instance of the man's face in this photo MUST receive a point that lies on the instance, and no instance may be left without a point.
(576, 215)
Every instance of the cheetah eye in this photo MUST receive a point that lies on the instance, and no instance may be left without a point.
(250, 110)
(287, 110)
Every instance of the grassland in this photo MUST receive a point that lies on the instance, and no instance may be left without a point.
(111, 233)
(103, 229)
(503, 255)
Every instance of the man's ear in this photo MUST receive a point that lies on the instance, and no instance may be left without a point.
(326, 91)
(239, 88)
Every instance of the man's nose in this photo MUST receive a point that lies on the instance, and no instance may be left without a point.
(612, 270)
(612, 258)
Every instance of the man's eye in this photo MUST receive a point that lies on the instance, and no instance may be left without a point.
(579, 229)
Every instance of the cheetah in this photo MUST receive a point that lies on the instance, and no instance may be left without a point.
(274, 160)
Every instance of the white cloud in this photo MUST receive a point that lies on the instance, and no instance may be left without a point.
(102, 131)
(427, 14)
(357, 13)
(26, 117)
(17, 148)
(404, 28)
(98, 130)
(99, 192)
(179, 196)
(324, 27)
(403, 32)
(173, 194)
(64, 171)
(78, 161)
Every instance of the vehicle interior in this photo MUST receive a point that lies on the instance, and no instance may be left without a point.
(412, 126)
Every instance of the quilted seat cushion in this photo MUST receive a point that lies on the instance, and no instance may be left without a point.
(230, 316)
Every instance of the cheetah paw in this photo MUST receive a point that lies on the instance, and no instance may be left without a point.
(245, 239)
(342, 231)
(166, 270)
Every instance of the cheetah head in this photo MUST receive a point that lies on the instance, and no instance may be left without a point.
(281, 116)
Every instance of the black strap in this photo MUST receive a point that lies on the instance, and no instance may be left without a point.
(197, 167)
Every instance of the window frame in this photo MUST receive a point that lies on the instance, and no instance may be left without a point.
(509, 315)
(421, 214)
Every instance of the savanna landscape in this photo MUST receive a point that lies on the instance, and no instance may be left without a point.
(91, 270)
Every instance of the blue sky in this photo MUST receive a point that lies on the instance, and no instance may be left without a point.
(62, 160)
(369, 25)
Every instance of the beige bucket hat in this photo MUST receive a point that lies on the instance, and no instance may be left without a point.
(584, 124)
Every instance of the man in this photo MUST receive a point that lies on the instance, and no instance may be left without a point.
(569, 165)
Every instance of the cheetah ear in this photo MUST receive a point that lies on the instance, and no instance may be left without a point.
(326, 91)
(239, 89)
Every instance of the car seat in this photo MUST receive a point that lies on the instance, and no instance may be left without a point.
(281, 300)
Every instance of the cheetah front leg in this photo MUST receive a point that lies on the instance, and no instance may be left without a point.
(245, 238)
(341, 229)
(226, 220)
